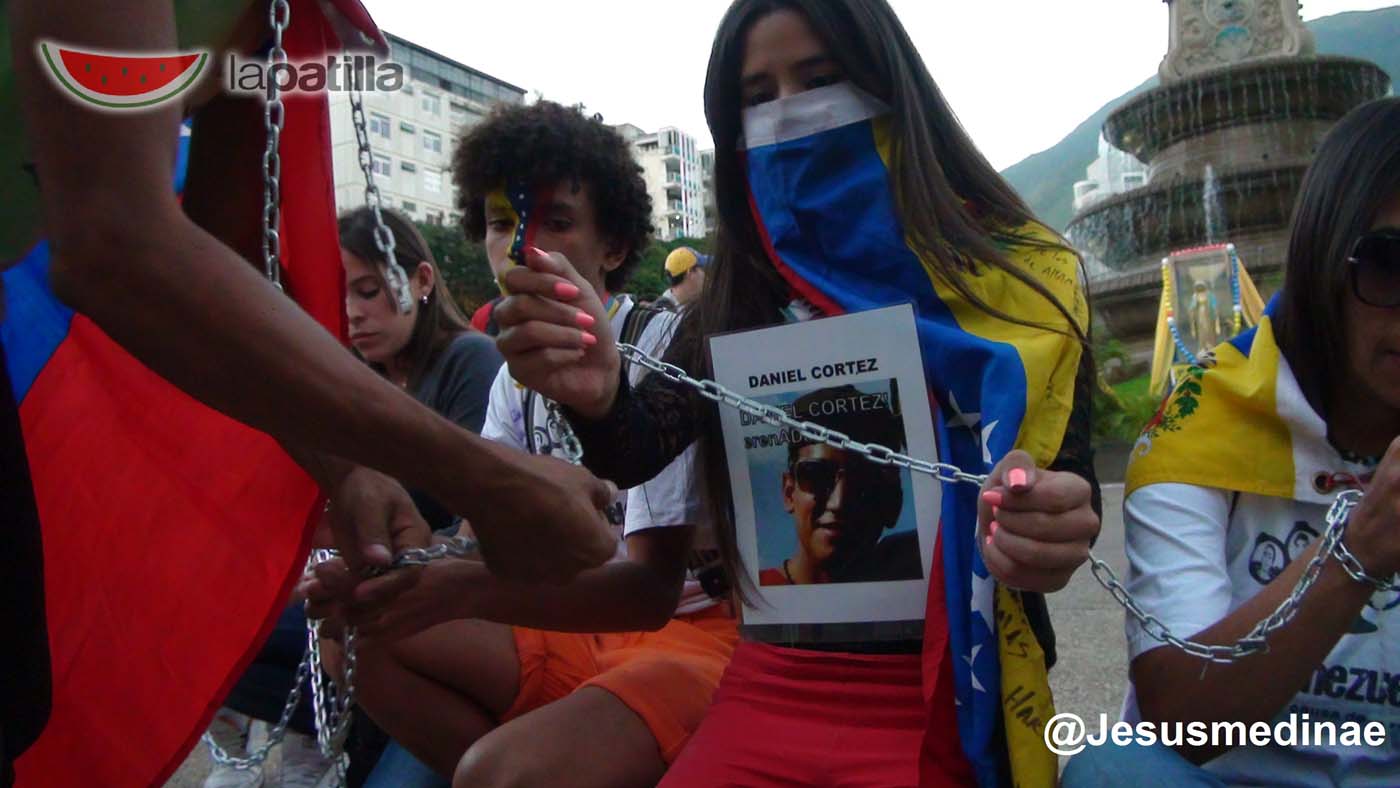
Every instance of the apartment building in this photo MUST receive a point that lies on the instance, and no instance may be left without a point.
(672, 168)
(412, 131)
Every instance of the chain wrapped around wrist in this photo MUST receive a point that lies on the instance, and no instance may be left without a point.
(1350, 563)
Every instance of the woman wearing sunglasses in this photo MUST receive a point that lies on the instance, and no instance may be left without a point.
(1228, 493)
(844, 183)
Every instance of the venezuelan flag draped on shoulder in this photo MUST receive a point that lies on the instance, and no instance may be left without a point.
(819, 166)
(1240, 423)
(171, 534)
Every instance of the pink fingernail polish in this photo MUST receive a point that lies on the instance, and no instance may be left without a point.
(992, 497)
(992, 527)
(537, 251)
(996, 511)
(988, 542)
(588, 339)
(565, 290)
(585, 320)
(1017, 477)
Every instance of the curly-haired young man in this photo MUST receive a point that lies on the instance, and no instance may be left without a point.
(521, 696)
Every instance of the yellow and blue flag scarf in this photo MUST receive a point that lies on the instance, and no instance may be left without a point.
(1240, 424)
(818, 167)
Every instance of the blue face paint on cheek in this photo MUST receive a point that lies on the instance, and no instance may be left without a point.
(523, 200)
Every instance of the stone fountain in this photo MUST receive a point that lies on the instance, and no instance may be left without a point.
(1243, 102)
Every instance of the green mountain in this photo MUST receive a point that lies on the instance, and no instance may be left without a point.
(1046, 180)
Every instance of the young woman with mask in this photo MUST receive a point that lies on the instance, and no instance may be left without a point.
(1224, 510)
(844, 183)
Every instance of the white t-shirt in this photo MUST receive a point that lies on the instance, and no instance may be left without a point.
(672, 498)
(1196, 554)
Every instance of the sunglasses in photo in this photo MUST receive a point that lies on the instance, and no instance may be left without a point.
(817, 477)
(1375, 268)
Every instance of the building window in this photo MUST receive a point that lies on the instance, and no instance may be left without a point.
(406, 127)
(408, 166)
(435, 218)
(432, 103)
(379, 124)
(409, 207)
(432, 141)
(383, 166)
(432, 180)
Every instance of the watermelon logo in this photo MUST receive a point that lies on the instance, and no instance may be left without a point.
(121, 81)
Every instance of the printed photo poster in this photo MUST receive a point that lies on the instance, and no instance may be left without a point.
(827, 535)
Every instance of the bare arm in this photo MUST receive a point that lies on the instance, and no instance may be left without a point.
(626, 595)
(1172, 686)
(186, 305)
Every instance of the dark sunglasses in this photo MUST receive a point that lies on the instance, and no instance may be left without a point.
(1375, 268)
(817, 477)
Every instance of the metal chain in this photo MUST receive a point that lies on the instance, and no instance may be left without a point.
(881, 455)
(331, 705)
(1254, 642)
(1251, 643)
(330, 701)
(561, 434)
(257, 757)
(274, 118)
(383, 237)
(1357, 572)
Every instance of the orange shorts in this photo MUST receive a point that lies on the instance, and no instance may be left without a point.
(667, 677)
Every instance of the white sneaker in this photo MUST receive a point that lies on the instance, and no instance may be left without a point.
(303, 766)
(236, 734)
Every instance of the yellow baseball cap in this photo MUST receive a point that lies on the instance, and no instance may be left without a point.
(683, 258)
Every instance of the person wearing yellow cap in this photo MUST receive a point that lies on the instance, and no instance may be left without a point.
(686, 269)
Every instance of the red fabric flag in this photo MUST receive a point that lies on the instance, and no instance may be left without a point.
(172, 534)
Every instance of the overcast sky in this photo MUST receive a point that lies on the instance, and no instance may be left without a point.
(1019, 73)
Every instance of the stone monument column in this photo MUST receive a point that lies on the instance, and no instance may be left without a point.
(1208, 34)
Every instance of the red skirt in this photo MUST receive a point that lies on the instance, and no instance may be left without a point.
(786, 717)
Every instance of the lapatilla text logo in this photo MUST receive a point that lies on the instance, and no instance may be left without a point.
(248, 76)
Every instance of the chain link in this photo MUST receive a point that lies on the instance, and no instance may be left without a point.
(274, 737)
(333, 705)
(274, 118)
(1251, 643)
(383, 237)
(882, 455)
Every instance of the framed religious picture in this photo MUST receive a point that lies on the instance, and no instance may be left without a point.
(1201, 286)
(828, 535)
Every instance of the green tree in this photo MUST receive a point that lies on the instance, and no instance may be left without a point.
(649, 280)
(463, 264)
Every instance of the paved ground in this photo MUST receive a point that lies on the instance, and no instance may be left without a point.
(1091, 673)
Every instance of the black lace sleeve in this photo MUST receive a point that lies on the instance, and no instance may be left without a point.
(1076, 456)
(1076, 452)
(647, 428)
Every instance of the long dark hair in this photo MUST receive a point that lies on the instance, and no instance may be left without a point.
(956, 210)
(440, 320)
(1357, 168)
